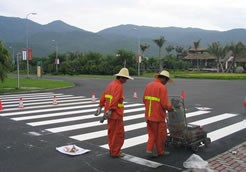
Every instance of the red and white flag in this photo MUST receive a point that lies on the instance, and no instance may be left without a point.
(24, 54)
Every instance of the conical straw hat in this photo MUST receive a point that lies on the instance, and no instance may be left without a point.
(124, 73)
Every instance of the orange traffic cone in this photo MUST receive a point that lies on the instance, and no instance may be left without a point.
(54, 101)
(93, 97)
(21, 105)
(135, 94)
(1, 106)
(183, 96)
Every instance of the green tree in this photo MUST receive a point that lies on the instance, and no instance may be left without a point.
(160, 42)
(5, 63)
(196, 46)
(237, 49)
(169, 49)
(219, 52)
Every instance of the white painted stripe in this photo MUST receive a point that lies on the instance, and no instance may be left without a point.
(80, 126)
(143, 162)
(213, 119)
(42, 100)
(17, 95)
(65, 113)
(226, 131)
(47, 110)
(131, 142)
(196, 113)
(53, 114)
(49, 104)
(69, 119)
(30, 99)
(103, 133)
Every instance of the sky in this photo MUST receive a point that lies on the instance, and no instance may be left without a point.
(96, 15)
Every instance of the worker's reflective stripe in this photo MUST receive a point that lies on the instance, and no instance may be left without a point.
(110, 97)
(150, 98)
(120, 105)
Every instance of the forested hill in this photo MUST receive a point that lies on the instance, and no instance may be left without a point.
(73, 39)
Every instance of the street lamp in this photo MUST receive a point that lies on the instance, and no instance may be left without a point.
(138, 51)
(27, 55)
(56, 58)
(13, 54)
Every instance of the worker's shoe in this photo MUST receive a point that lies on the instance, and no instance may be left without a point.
(167, 153)
(118, 156)
(150, 154)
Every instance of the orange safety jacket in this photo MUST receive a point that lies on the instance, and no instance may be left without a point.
(112, 99)
(156, 102)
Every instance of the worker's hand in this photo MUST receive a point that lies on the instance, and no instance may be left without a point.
(106, 116)
(171, 109)
(99, 110)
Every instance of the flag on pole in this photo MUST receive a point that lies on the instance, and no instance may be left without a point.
(24, 54)
(29, 54)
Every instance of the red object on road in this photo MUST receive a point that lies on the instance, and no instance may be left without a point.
(244, 103)
(1, 106)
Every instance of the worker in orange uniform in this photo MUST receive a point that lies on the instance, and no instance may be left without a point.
(156, 103)
(112, 101)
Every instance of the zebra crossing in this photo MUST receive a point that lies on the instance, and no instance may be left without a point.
(74, 116)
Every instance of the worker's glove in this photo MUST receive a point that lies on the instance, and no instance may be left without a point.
(99, 110)
(106, 116)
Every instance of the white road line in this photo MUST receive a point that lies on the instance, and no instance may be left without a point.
(83, 125)
(49, 104)
(69, 119)
(66, 113)
(196, 113)
(103, 133)
(44, 101)
(226, 131)
(47, 110)
(213, 119)
(18, 95)
(131, 142)
(33, 98)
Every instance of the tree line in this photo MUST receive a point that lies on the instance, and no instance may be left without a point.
(93, 63)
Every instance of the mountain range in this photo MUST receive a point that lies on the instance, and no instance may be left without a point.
(44, 38)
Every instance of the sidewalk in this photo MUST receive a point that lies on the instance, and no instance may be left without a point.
(233, 160)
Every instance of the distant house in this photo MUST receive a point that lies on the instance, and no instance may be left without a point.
(200, 58)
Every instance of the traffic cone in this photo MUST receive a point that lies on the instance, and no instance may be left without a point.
(1, 106)
(135, 94)
(182, 96)
(93, 97)
(54, 101)
(21, 105)
(244, 103)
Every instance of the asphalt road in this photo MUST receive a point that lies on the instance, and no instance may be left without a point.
(23, 151)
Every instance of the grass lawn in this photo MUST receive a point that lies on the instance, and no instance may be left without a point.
(28, 84)
(204, 75)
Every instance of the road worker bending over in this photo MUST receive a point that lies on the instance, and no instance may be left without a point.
(156, 103)
(112, 101)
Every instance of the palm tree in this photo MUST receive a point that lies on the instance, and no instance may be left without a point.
(196, 46)
(236, 50)
(160, 42)
(143, 47)
(219, 52)
(4, 62)
(179, 51)
(169, 49)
